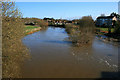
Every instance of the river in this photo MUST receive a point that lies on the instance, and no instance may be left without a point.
(53, 56)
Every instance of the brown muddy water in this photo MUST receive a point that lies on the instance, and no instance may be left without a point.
(52, 56)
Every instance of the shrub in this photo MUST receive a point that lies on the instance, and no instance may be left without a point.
(117, 28)
(69, 28)
(83, 32)
(35, 21)
(41, 23)
(13, 51)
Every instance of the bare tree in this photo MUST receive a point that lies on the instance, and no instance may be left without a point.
(9, 9)
(12, 47)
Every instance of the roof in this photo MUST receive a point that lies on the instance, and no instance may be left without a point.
(105, 17)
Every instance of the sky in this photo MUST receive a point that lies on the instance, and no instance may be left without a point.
(66, 10)
(66, 0)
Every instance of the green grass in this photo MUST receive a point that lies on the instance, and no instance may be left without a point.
(29, 28)
(106, 29)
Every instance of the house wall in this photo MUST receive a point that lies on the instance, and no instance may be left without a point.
(104, 22)
(114, 19)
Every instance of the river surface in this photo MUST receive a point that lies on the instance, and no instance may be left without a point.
(53, 56)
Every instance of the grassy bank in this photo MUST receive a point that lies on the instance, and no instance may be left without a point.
(31, 29)
(105, 30)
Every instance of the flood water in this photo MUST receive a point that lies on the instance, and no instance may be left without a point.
(53, 56)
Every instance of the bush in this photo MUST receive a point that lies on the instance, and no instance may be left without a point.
(70, 28)
(117, 28)
(35, 21)
(13, 51)
(83, 32)
(41, 23)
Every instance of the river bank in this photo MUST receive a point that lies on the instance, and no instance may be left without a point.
(31, 29)
(103, 35)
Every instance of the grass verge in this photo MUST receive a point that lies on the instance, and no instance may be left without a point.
(31, 29)
(105, 30)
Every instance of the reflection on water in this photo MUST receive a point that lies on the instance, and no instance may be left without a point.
(55, 57)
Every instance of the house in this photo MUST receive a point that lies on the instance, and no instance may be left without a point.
(106, 21)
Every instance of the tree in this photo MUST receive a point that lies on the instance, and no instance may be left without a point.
(115, 14)
(117, 28)
(9, 9)
(13, 51)
(83, 32)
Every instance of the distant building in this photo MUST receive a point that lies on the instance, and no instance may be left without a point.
(106, 21)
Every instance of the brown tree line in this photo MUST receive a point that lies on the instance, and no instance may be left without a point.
(35, 21)
(13, 51)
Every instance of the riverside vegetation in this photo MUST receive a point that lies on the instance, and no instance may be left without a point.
(115, 32)
(34, 24)
(83, 32)
(112, 33)
(13, 30)
(13, 51)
